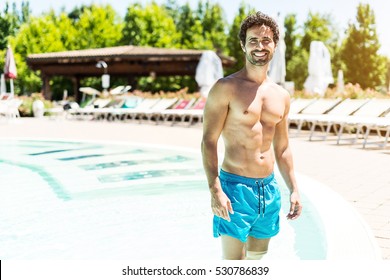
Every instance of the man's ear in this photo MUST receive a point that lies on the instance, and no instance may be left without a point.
(242, 47)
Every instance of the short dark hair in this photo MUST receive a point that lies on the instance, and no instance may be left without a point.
(258, 19)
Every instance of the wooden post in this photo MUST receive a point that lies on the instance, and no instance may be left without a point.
(46, 90)
(76, 86)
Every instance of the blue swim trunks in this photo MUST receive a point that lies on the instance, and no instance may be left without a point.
(256, 204)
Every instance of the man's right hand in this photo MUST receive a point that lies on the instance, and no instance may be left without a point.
(221, 205)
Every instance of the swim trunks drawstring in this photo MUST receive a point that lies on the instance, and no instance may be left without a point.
(262, 186)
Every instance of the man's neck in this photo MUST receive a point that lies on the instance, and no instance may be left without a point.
(257, 74)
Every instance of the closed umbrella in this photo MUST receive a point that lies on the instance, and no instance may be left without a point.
(10, 69)
(208, 71)
(3, 90)
(320, 70)
(277, 69)
(10, 66)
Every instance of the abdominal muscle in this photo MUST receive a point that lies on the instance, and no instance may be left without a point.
(248, 159)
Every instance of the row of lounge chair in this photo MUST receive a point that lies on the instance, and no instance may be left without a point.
(349, 119)
(171, 110)
(9, 108)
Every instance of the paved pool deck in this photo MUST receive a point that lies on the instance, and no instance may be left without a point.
(360, 176)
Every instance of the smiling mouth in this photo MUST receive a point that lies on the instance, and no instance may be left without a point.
(260, 54)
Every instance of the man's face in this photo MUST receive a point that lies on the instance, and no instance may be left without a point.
(259, 45)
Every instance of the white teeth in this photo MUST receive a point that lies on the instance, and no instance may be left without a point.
(259, 54)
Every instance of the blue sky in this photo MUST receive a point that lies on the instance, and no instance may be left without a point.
(342, 11)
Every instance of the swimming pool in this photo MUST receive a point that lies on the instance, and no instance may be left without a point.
(99, 200)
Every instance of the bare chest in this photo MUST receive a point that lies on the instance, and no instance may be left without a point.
(267, 108)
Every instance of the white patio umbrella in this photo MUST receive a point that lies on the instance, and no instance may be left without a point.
(320, 70)
(3, 89)
(208, 71)
(277, 68)
(10, 69)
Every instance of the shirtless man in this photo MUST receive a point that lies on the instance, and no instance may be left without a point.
(250, 111)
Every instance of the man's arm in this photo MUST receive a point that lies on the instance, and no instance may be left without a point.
(214, 117)
(284, 160)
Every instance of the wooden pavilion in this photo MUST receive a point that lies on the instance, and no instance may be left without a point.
(122, 61)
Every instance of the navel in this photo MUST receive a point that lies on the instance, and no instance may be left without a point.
(246, 112)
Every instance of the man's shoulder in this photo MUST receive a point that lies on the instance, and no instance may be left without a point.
(226, 84)
(280, 89)
(229, 80)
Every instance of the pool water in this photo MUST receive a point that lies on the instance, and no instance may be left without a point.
(96, 200)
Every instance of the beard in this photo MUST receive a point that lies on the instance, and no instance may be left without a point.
(259, 61)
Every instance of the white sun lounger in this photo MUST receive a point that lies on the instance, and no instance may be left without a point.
(9, 108)
(367, 114)
(155, 111)
(327, 121)
(312, 112)
(193, 113)
(382, 127)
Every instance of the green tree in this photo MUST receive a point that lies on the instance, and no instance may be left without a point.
(67, 32)
(387, 85)
(233, 42)
(94, 27)
(76, 13)
(154, 26)
(10, 21)
(97, 27)
(191, 30)
(149, 26)
(172, 9)
(316, 28)
(337, 62)
(297, 69)
(39, 35)
(291, 38)
(360, 51)
(214, 25)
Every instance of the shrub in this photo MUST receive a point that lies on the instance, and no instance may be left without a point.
(352, 91)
